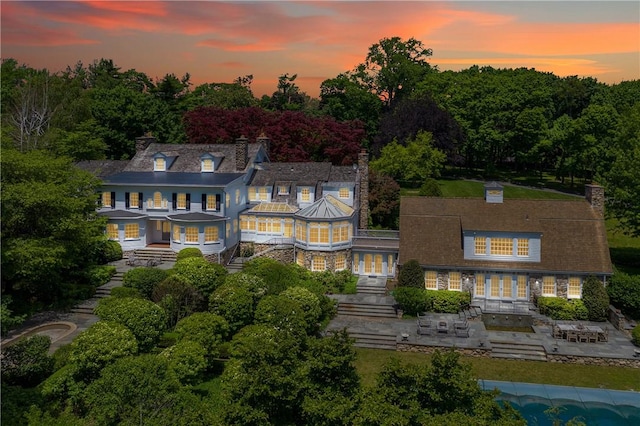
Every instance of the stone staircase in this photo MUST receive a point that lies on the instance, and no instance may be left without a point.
(235, 265)
(166, 255)
(367, 288)
(513, 350)
(371, 339)
(363, 309)
(87, 306)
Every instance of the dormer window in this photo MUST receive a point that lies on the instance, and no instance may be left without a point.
(283, 190)
(159, 163)
(207, 163)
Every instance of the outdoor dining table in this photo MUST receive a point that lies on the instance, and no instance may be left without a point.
(581, 332)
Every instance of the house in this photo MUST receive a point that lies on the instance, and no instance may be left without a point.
(230, 200)
(506, 250)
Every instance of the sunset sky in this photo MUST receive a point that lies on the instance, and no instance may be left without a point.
(217, 41)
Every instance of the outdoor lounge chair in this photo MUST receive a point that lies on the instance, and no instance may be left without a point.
(461, 328)
(425, 327)
(443, 326)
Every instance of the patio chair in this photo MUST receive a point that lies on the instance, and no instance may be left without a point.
(443, 326)
(572, 336)
(583, 337)
(424, 327)
(557, 333)
(424, 320)
(593, 337)
(604, 336)
(461, 328)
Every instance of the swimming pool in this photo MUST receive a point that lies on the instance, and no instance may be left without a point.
(601, 407)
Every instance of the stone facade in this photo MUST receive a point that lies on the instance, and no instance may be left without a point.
(330, 258)
(474, 352)
(363, 169)
(242, 153)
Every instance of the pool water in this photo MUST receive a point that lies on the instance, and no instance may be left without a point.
(601, 407)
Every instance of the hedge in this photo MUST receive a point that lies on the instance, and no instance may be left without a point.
(558, 308)
(144, 279)
(188, 252)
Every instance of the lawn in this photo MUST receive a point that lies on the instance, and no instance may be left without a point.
(467, 188)
(371, 361)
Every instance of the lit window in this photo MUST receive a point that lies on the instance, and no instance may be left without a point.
(228, 230)
(318, 263)
(390, 262)
(253, 193)
(523, 247)
(431, 280)
(356, 262)
(479, 285)
(305, 194)
(131, 231)
(276, 226)
(319, 233)
(166, 226)
(252, 223)
(227, 200)
(288, 228)
(157, 200)
(481, 245)
(495, 286)
(210, 234)
(573, 290)
(235, 225)
(454, 281)
(340, 232)
(211, 202)
(112, 231)
(548, 286)
(262, 224)
(191, 234)
(341, 262)
(176, 233)
(160, 165)
(244, 223)
(501, 247)
(106, 199)
(300, 259)
(182, 201)
(283, 190)
(507, 286)
(343, 193)
(301, 230)
(237, 196)
(207, 165)
(264, 196)
(134, 200)
(377, 264)
(521, 285)
(366, 263)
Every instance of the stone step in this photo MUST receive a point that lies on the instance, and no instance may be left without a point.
(147, 254)
(369, 289)
(104, 292)
(516, 346)
(366, 310)
(525, 357)
(81, 310)
(512, 350)
(388, 347)
(364, 339)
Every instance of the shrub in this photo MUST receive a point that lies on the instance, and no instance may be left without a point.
(624, 293)
(99, 345)
(61, 357)
(558, 308)
(7, 319)
(411, 275)
(188, 252)
(111, 251)
(235, 303)
(282, 313)
(412, 300)
(595, 298)
(26, 363)
(187, 360)
(178, 298)
(276, 275)
(430, 188)
(120, 292)
(635, 335)
(310, 305)
(202, 274)
(145, 319)
(205, 328)
(62, 387)
(99, 275)
(144, 279)
(447, 301)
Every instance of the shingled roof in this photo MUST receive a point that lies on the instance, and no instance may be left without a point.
(574, 238)
(103, 168)
(187, 157)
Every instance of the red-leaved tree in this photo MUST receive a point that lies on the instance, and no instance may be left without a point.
(294, 135)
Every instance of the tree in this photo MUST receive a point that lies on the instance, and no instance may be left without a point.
(411, 275)
(145, 319)
(624, 292)
(187, 359)
(202, 274)
(51, 233)
(413, 163)
(393, 67)
(177, 297)
(236, 299)
(281, 313)
(384, 200)
(205, 328)
(100, 345)
(288, 96)
(595, 299)
(276, 275)
(144, 279)
(309, 303)
(7, 319)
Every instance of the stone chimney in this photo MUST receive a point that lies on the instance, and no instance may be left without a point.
(265, 142)
(242, 155)
(595, 196)
(363, 175)
(142, 142)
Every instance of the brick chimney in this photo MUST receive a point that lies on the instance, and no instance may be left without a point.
(265, 142)
(363, 175)
(242, 155)
(142, 142)
(595, 196)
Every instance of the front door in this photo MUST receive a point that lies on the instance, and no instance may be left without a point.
(166, 231)
(368, 264)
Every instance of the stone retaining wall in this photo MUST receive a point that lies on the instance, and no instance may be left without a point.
(588, 360)
(475, 352)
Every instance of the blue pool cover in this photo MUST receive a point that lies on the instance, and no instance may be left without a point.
(601, 407)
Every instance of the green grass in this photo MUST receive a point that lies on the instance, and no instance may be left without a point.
(370, 362)
(470, 189)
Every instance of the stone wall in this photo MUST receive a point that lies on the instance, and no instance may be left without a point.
(363, 187)
(595, 196)
(330, 258)
(474, 352)
(587, 360)
(617, 318)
